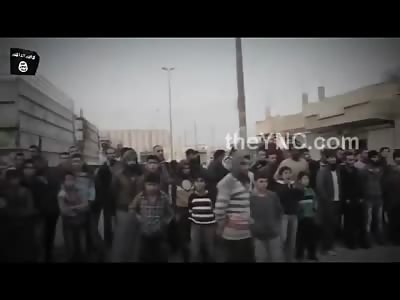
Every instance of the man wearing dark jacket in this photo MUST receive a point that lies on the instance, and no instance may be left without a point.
(354, 232)
(313, 167)
(104, 197)
(216, 171)
(392, 202)
(328, 188)
(261, 160)
(371, 178)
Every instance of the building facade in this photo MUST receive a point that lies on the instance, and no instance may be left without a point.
(371, 114)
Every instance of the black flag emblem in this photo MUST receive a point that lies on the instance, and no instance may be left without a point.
(23, 62)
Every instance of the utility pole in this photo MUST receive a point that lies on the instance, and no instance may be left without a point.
(195, 135)
(171, 139)
(241, 96)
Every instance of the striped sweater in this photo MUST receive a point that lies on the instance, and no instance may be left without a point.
(201, 210)
(232, 208)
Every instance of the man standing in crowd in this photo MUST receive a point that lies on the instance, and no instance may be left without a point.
(18, 221)
(232, 210)
(19, 159)
(384, 154)
(392, 201)
(164, 168)
(104, 196)
(340, 159)
(352, 199)
(371, 178)
(216, 171)
(295, 162)
(328, 188)
(126, 184)
(39, 161)
(313, 167)
(362, 159)
(261, 160)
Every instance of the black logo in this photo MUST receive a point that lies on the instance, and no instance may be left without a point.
(23, 62)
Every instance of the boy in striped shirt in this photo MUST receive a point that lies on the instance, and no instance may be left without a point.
(201, 215)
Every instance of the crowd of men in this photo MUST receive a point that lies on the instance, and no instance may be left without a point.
(282, 206)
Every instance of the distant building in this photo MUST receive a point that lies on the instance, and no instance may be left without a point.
(371, 113)
(142, 140)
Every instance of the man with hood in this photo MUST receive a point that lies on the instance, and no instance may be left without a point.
(164, 168)
(371, 178)
(232, 210)
(125, 185)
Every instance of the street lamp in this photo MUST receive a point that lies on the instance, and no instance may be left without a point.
(168, 70)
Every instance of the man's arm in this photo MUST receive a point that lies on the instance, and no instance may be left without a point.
(223, 198)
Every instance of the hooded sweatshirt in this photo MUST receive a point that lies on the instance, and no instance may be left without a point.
(232, 208)
(125, 185)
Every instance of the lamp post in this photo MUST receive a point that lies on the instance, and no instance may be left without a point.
(169, 70)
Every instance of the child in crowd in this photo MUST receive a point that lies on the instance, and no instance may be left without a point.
(266, 213)
(307, 233)
(74, 211)
(289, 196)
(154, 213)
(201, 214)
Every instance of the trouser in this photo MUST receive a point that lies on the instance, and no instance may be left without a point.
(239, 250)
(373, 210)
(49, 233)
(202, 237)
(75, 239)
(354, 229)
(268, 250)
(331, 224)
(153, 249)
(288, 236)
(394, 224)
(307, 237)
(107, 225)
(183, 232)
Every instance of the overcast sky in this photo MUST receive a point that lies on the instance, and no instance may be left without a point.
(120, 85)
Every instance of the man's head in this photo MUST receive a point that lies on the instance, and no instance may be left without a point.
(69, 180)
(330, 156)
(373, 157)
(191, 155)
(261, 155)
(272, 157)
(261, 182)
(12, 177)
(34, 151)
(285, 173)
(219, 155)
(76, 162)
(152, 184)
(111, 154)
(349, 158)
(159, 151)
(340, 155)
(199, 183)
(29, 169)
(295, 154)
(19, 159)
(152, 164)
(396, 157)
(384, 152)
(304, 179)
(363, 155)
